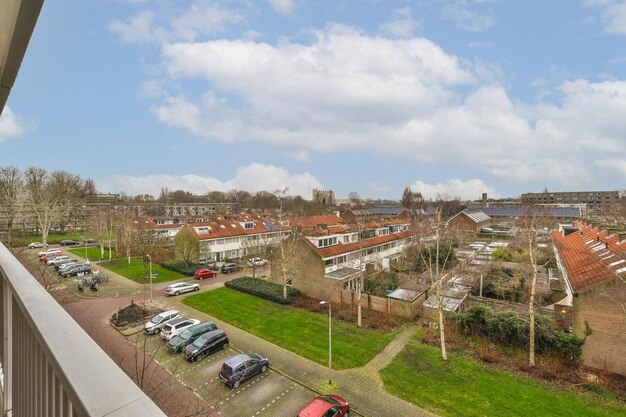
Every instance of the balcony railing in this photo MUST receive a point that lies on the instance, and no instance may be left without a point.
(49, 365)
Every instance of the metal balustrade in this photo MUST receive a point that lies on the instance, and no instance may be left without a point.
(49, 366)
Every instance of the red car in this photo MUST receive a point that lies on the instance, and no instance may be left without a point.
(203, 273)
(49, 255)
(327, 405)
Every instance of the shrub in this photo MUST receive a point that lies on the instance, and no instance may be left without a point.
(502, 254)
(261, 288)
(504, 327)
(181, 266)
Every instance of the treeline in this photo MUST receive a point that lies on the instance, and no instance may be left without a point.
(49, 198)
(262, 200)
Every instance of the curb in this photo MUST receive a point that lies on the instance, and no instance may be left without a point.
(126, 331)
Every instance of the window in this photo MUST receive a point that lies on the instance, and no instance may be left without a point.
(219, 242)
(322, 243)
(328, 262)
(249, 225)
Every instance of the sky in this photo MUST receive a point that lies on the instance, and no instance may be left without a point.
(452, 98)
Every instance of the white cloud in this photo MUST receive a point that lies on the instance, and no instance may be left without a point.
(613, 16)
(252, 178)
(402, 25)
(138, 29)
(199, 19)
(453, 188)
(379, 188)
(349, 92)
(466, 15)
(203, 19)
(283, 6)
(10, 126)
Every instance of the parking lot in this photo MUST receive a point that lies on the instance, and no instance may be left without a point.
(268, 394)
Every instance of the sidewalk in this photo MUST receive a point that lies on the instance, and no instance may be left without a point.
(361, 386)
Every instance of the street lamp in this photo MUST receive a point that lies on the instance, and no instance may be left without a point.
(330, 343)
(150, 258)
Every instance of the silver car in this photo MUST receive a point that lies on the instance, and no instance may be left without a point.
(181, 287)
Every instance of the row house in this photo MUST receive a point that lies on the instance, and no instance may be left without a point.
(235, 238)
(594, 265)
(323, 261)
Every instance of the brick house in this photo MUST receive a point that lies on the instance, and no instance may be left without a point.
(469, 220)
(594, 264)
(325, 260)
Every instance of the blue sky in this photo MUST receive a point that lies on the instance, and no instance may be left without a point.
(452, 97)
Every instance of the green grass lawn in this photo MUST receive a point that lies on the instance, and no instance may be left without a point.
(462, 387)
(135, 271)
(52, 238)
(93, 253)
(297, 330)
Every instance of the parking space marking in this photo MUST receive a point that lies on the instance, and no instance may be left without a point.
(201, 363)
(243, 389)
(274, 400)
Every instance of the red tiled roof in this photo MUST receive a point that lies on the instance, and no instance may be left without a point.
(353, 246)
(588, 260)
(310, 222)
(228, 228)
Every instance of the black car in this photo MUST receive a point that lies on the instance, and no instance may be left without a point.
(241, 367)
(177, 343)
(69, 243)
(91, 241)
(231, 267)
(209, 342)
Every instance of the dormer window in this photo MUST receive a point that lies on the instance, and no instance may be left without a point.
(322, 243)
(249, 225)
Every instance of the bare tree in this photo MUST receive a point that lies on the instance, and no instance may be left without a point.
(50, 196)
(286, 240)
(11, 183)
(255, 246)
(531, 224)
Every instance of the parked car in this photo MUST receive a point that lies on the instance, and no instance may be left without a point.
(69, 243)
(49, 256)
(203, 273)
(257, 262)
(156, 323)
(51, 250)
(34, 245)
(176, 326)
(181, 287)
(75, 270)
(179, 342)
(205, 344)
(53, 261)
(91, 241)
(66, 265)
(326, 406)
(241, 367)
(58, 262)
(231, 267)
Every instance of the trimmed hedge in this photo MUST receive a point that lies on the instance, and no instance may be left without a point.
(179, 266)
(262, 289)
(504, 327)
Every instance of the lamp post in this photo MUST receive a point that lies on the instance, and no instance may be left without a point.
(150, 258)
(330, 343)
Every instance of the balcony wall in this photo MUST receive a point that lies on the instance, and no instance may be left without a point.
(50, 366)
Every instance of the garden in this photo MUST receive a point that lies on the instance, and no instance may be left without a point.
(294, 328)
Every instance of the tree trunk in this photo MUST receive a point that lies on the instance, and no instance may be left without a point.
(359, 295)
(442, 336)
(531, 305)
